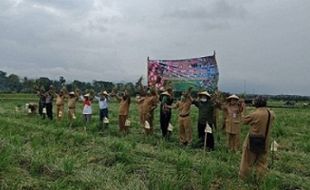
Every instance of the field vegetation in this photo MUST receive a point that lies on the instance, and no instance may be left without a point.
(43, 154)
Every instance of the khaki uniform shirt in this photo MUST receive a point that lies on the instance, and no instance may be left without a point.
(233, 118)
(60, 100)
(184, 107)
(149, 103)
(72, 102)
(124, 106)
(258, 122)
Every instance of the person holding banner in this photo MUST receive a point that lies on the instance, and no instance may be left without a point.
(255, 147)
(205, 119)
(233, 112)
(166, 100)
(148, 107)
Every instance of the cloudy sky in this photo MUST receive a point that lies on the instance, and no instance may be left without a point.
(262, 46)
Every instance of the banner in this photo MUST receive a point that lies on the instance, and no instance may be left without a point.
(199, 73)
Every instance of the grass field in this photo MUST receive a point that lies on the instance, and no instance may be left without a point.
(42, 154)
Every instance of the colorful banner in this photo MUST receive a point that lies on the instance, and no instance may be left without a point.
(199, 73)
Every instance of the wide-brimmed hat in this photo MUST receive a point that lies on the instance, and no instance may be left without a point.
(87, 95)
(71, 93)
(105, 93)
(233, 97)
(204, 93)
(165, 93)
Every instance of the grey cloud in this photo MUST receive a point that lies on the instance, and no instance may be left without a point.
(264, 43)
(220, 9)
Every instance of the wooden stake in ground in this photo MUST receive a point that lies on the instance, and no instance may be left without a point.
(208, 129)
(274, 148)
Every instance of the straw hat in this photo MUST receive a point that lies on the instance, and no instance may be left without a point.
(87, 95)
(105, 93)
(204, 93)
(233, 97)
(165, 93)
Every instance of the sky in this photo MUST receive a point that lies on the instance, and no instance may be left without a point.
(262, 46)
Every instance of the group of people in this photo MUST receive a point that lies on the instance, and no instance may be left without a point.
(148, 99)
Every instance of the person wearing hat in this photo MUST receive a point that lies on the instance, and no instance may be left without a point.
(233, 112)
(184, 108)
(124, 104)
(72, 99)
(260, 122)
(103, 105)
(148, 107)
(205, 117)
(166, 100)
(60, 102)
(87, 108)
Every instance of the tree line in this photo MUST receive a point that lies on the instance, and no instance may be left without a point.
(12, 83)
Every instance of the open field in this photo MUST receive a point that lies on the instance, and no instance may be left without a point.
(42, 154)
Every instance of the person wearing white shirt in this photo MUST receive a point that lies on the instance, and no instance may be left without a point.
(103, 106)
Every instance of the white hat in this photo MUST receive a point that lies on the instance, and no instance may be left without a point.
(233, 97)
(165, 93)
(87, 95)
(71, 93)
(205, 93)
(105, 93)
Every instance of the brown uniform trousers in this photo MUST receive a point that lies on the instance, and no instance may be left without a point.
(185, 130)
(185, 127)
(59, 106)
(140, 107)
(258, 122)
(148, 114)
(71, 107)
(123, 114)
(232, 126)
(122, 120)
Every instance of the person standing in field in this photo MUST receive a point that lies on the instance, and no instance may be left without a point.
(124, 104)
(49, 96)
(60, 102)
(87, 107)
(184, 108)
(233, 112)
(140, 100)
(42, 98)
(166, 100)
(148, 107)
(72, 99)
(205, 117)
(254, 154)
(103, 106)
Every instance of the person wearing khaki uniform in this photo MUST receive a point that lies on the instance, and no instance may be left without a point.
(258, 121)
(185, 128)
(140, 100)
(124, 103)
(233, 111)
(148, 107)
(72, 99)
(60, 102)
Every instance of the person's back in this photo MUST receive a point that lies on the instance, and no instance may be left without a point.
(260, 122)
